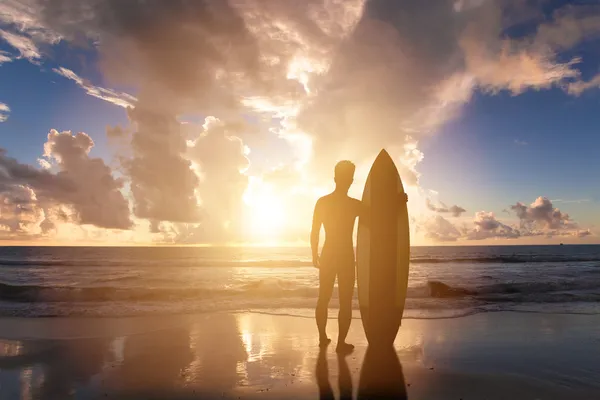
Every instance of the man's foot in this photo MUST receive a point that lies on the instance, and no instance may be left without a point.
(324, 342)
(344, 348)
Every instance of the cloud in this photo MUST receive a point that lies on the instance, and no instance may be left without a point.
(584, 233)
(455, 211)
(19, 212)
(334, 79)
(118, 98)
(26, 47)
(541, 214)
(487, 227)
(520, 142)
(4, 111)
(266, 49)
(406, 69)
(538, 219)
(98, 199)
(219, 161)
(576, 201)
(5, 57)
(439, 229)
(569, 26)
(83, 190)
(163, 183)
(220, 157)
(578, 87)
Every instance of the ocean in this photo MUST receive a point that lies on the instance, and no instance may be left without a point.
(445, 282)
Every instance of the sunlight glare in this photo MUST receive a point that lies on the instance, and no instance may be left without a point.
(265, 215)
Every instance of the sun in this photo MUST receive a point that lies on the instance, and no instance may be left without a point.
(265, 214)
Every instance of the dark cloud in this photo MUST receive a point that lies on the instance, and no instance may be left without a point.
(97, 199)
(83, 183)
(162, 181)
(455, 211)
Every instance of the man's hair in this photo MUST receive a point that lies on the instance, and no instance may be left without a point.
(345, 170)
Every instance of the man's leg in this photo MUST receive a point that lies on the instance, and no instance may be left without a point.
(346, 278)
(326, 281)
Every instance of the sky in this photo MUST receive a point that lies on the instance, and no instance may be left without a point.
(220, 122)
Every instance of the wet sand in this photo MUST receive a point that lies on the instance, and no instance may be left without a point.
(252, 355)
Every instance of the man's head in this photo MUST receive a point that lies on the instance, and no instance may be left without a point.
(344, 174)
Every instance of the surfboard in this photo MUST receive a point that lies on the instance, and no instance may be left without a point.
(383, 253)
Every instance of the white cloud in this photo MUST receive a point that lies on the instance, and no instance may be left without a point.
(538, 219)
(4, 111)
(541, 214)
(5, 57)
(439, 229)
(578, 87)
(26, 47)
(487, 227)
(118, 98)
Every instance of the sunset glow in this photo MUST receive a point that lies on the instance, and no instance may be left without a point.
(230, 135)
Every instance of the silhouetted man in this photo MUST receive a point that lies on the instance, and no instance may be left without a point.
(337, 213)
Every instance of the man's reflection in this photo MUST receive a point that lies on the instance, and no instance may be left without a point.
(322, 376)
(381, 376)
(344, 379)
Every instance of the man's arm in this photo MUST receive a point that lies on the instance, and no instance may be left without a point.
(314, 233)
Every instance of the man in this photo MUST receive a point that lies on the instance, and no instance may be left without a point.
(337, 213)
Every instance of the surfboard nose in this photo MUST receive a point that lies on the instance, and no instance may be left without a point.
(383, 154)
(384, 160)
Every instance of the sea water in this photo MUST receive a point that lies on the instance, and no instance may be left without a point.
(128, 281)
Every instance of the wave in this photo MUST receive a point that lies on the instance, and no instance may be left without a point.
(285, 290)
(72, 294)
(517, 259)
(174, 263)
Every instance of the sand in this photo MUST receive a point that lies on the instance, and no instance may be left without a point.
(253, 355)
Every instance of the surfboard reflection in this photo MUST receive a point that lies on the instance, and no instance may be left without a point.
(381, 376)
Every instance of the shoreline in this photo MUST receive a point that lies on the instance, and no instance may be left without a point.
(250, 355)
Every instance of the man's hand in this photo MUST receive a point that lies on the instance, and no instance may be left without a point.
(315, 261)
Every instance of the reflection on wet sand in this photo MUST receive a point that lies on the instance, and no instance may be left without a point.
(62, 365)
(218, 351)
(322, 376)
(344, 378)
(151, 362)
(381, 376)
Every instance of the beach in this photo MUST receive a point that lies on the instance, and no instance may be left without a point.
(249, 355)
